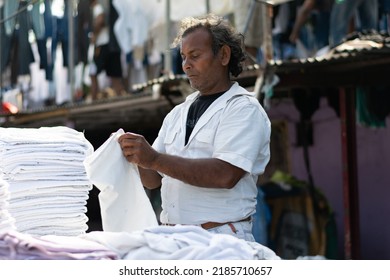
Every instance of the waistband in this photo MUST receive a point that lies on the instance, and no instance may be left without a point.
(210, 225)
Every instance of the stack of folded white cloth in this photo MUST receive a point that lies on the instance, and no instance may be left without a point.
(47, 180)
(6, 221)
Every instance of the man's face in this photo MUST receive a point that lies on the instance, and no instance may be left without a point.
(203, 69)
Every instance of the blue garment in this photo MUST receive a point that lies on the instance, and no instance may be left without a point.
(60, 34)
(47, 16)
(5, 44)
(10, 8)
(283, 49)
(177, 68)
(16, 50)
(316, 35)
(84, 25)
(321, 31)
(261, 219)
(38, 23)
(24, 55)
(384, 6)
(46, 61)
(342, 13)
(384, 16)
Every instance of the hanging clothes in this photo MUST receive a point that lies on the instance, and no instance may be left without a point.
(59, 35)
(5, 43)
(16, 48)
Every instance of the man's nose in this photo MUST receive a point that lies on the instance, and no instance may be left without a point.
(185, 64)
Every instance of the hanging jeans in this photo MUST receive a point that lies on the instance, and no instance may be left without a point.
(342, 12)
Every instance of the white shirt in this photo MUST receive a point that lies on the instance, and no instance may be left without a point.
(235, 129)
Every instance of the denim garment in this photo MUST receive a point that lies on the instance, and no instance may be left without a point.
(343, 11)
(5, 45)
(24, 54)
(10, 8)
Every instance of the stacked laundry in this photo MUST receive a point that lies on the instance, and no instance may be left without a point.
(6, 221)
(47, 180)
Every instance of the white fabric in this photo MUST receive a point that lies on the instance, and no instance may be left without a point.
(180, 9)
(156, 243)
(63, 224)
(137, 19)
(6, 220)
(180, 243)
(123, 201)
(48, 186)
(131, 27)
(49, 199)
(235, 129)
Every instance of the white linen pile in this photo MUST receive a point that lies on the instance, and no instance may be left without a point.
(180, 242)
(6, 221)
(155, 243)
(47, 180)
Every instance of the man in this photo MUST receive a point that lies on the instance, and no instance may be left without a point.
(105, 57)
(211, 148)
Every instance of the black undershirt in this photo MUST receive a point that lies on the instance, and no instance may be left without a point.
(197, 108)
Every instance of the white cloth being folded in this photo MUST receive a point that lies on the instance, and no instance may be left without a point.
(123, 201)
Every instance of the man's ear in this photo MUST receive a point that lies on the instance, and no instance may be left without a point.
(225, 53)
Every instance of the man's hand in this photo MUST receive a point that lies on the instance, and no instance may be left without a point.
(137, 150)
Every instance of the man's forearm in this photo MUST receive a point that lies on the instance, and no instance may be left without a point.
(150, 178)
(208, 173)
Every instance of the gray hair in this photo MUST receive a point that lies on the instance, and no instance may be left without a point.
(222, 33)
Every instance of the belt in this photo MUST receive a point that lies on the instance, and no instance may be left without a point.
(210, 225)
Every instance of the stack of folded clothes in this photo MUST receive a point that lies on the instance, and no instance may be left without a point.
(6, 221)
(47, 180)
